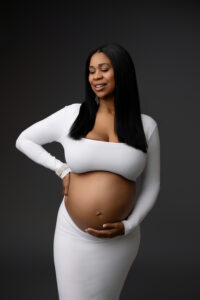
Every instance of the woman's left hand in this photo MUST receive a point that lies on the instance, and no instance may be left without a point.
(110, 230)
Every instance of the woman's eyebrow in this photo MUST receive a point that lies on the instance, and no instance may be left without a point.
(100, 65)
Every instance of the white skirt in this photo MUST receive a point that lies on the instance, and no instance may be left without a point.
(88, 267)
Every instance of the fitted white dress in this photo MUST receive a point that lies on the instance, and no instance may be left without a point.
(88, 267)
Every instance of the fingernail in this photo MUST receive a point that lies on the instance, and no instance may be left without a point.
(104, 225)
(86, 229)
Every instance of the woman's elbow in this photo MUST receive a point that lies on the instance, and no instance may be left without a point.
(19, 142)
(157, 186)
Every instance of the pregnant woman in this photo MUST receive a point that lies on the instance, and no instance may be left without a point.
(108, 143)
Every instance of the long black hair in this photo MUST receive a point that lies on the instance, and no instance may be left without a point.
(128, 123)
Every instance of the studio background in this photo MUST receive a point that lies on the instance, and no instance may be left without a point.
(44, 49)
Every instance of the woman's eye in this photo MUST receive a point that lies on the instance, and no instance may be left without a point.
(101, 70)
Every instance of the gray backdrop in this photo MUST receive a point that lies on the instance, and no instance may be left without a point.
(44, 51)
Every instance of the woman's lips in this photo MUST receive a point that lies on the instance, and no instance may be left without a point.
(99, 88)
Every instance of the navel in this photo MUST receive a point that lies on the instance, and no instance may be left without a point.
(98, 213)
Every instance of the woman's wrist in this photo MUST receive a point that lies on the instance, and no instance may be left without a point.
(63, 171)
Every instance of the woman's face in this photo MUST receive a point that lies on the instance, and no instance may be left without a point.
(101, 72)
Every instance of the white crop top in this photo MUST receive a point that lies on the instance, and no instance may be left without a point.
(86, 155)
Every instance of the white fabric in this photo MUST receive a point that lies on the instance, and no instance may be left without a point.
(150, 185)
(86, 155)
(88, 267)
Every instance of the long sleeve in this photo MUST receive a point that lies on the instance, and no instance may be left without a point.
(150, 184)
(49, 129)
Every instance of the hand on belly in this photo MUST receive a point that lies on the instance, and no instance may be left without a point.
(109, 230)
(97, 198)
(94, 213)
(96, 224)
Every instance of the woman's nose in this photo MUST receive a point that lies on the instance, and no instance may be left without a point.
(97, 75)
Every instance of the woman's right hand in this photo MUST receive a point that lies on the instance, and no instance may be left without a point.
(65, 184)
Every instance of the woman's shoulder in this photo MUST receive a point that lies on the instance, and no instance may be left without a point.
(148, 120)
(73, 109)
(149, 124)
(71, 112)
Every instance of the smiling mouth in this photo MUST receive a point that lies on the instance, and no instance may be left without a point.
(99, 87)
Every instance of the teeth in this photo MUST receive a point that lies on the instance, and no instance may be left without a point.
(99, 85)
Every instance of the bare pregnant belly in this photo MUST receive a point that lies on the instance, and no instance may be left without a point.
(99, 197)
